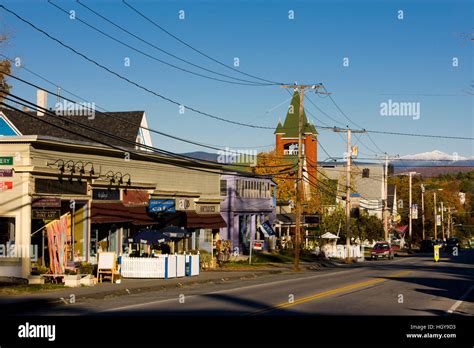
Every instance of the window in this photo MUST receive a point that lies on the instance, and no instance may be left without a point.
(207, 236)
(7, 230)
(223, 187)
(365, 172)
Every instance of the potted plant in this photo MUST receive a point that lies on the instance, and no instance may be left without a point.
(71, 278)
(35, 277)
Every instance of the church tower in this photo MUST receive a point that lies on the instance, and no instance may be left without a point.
(286, 139)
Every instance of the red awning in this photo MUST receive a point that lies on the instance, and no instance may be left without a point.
(195, 220)
(102, 213)
(140, 215)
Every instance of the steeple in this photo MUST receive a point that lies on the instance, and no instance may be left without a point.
(290, 126)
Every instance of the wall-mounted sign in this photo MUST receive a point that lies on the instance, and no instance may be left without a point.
(162, 206)
(60, 186)
(6, 161)
(45, 214)
(106, 195)
(6, 173)
(208, 208)
(6, 185)
(46, 202)
(185, 204)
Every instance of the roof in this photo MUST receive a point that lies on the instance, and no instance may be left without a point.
(104, 121)
(287, 219)
(290, 126)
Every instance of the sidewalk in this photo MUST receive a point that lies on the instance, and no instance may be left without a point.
(17, 304)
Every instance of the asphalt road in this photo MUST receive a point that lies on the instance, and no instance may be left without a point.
(413, 285)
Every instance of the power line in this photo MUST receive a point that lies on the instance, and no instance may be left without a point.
(154, 23)
(210, 164)
(131, 81)
(115, 116)
(249, 83)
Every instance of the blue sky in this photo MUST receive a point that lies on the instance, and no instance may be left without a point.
(408, 60)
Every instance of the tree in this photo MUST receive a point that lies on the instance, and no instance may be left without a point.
(5, 67)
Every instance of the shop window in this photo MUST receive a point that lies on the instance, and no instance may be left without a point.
(208, 236)
(365, 172)
(223, 187)
(7, 230)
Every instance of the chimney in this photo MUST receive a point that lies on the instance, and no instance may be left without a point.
(41, 101)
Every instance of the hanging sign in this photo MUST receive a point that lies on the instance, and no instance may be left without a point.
(45, 214)
(414, 211)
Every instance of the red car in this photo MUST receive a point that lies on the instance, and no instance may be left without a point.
(382, 250)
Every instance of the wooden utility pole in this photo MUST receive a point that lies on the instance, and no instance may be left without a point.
(435, 216)
(442, 218)
(348, 184)
(385, 204)
(299, 180)
(423, 210)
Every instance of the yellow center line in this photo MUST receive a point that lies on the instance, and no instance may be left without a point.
(329, 293)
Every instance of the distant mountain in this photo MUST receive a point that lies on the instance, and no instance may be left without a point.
(435, 155)
(433, 163)
(202, 155)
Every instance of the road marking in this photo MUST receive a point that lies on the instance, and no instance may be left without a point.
(330, 292)
(330, 273)
(460, 301)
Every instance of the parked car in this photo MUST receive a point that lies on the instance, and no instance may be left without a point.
(452, 243)
(382, 250)
(427, 246)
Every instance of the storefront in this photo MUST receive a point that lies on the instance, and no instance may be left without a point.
(104, 196)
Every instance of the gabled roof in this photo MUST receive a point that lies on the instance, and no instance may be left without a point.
(104, 121)
(290, 126)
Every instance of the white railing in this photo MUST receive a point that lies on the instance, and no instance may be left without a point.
(160, 266)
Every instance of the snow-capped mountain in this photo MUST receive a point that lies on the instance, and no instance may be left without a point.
(433, 163)
(435, 155)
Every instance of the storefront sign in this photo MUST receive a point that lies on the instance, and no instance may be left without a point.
(45, 214)
(6, 161)
(184, 204)
(6, 173)
(162, 206)
(105, 195)
(208, 208)
(6, 185)
(46, 202)
(60, 187)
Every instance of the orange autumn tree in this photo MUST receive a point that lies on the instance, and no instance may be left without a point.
(284, 171)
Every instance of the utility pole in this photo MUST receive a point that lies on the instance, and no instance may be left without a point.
(435, 216)
(348, 184)
(410, 175)
(299, 180)
(385, 205)
(423, 209)
(449, 223)
(442, 218)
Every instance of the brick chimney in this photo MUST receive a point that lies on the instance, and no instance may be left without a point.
(41, 101)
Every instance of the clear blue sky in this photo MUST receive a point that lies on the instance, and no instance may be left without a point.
(407, 60)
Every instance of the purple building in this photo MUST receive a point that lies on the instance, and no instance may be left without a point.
(247, 203)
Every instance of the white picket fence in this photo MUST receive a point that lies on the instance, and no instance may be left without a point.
(339, 251)
(161, 266)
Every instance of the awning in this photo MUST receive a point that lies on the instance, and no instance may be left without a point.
(195, 220)
(141, 216)
(102, 213)
(286, 219)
